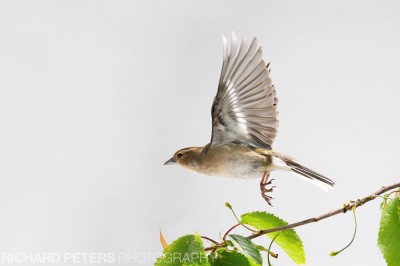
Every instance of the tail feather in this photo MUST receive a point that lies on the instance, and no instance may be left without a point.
(318, 180)
(308, 174)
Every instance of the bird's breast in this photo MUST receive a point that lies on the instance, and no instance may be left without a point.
(234, 162)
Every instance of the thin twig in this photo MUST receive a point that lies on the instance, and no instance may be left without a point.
(209, 239)
(344, 209)
(227, 232)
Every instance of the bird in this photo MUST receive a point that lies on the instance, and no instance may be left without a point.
(244, 124)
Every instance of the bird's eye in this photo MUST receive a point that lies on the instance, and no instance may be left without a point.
(179, 155)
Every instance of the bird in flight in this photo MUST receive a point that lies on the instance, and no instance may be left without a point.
(244, 124)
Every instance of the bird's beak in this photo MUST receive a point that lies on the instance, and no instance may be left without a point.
(170, 161)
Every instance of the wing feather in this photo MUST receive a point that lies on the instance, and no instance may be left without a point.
(244, 109)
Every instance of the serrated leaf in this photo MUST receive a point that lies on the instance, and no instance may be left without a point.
(288, 240)
(389, 232)
(398, 207)
(186, 250)
(224, 257)
(247, 248)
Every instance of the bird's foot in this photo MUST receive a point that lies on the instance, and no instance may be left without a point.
(264, 190)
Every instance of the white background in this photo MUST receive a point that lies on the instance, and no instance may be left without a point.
(96, 95)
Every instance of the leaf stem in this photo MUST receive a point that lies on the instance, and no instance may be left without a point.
(334, 253)
(269, 248)
(229, 206)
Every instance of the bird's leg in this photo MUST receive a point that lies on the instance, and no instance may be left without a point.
(264, 190)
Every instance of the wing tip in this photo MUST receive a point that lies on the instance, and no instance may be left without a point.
(244, 37)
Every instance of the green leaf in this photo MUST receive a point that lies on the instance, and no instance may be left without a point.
(247, 248)
(288, 239)
(224, 257)
(389, 232)
(186, 250)
(398, 207)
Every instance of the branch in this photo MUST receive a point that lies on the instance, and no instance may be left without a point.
(344, 209)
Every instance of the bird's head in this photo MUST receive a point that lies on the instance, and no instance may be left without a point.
(187, 157)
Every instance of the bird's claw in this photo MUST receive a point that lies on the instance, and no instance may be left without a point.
(264, 190)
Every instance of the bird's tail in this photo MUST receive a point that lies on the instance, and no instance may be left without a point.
(306, 173)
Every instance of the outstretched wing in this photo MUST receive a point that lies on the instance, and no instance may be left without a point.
(244, 109)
